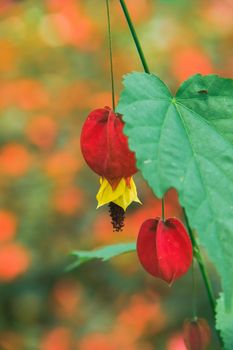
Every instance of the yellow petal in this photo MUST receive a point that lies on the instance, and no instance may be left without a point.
(122, 195)
(106, 194)
(129, 196)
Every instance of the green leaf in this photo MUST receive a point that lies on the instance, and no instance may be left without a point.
(224, 323)
(185, 142)
(104, 254)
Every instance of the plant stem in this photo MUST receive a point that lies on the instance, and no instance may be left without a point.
(110, 54)
(194, 291)
(134, 35)
(201, 264)
(206, 279)
(163, 211)
(196, 248)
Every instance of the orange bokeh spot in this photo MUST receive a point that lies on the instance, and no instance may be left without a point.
(7, 57)
(219, 14)
(189, 61)
(176, 342)
(15, 160)
(42, 131)
(57, 339)
(4, 5)
(140, 316)
(68, 200)
(11, 341)
(97, 341)
(73, 25)
(67, 297)
(26, 94)
(62, 164)
(14, 261)
(102, 99)
(68, 97)
(8, 225)
(103, 230)
(30, 94)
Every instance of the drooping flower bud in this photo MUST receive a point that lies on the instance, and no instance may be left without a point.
(196, 334)
(105, 147)
(164, 248)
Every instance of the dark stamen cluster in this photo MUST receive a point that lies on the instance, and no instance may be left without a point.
(118, 215)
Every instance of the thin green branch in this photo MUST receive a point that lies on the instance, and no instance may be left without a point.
(201, 264)
(110, 54)
(134, 35)
(194, 291)
(163, 209)
(204, 273)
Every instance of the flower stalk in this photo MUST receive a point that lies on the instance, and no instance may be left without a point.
(201, 264)
(134, 35)
(110, 53)
(204, 273)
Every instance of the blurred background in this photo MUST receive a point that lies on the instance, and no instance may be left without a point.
(54, 70)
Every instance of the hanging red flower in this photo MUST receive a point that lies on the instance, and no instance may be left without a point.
(105, 149)
(196, 334)
(164, 248)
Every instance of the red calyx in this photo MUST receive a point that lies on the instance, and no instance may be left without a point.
(196, 334)
(105, 147)
(164, 248)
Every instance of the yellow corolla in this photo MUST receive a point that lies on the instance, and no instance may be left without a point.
(123, 194)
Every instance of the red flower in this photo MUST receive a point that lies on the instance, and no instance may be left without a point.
(196, 334)
(105, 147)
(164, 248)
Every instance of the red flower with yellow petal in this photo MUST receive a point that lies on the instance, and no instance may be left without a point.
(105, 149)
